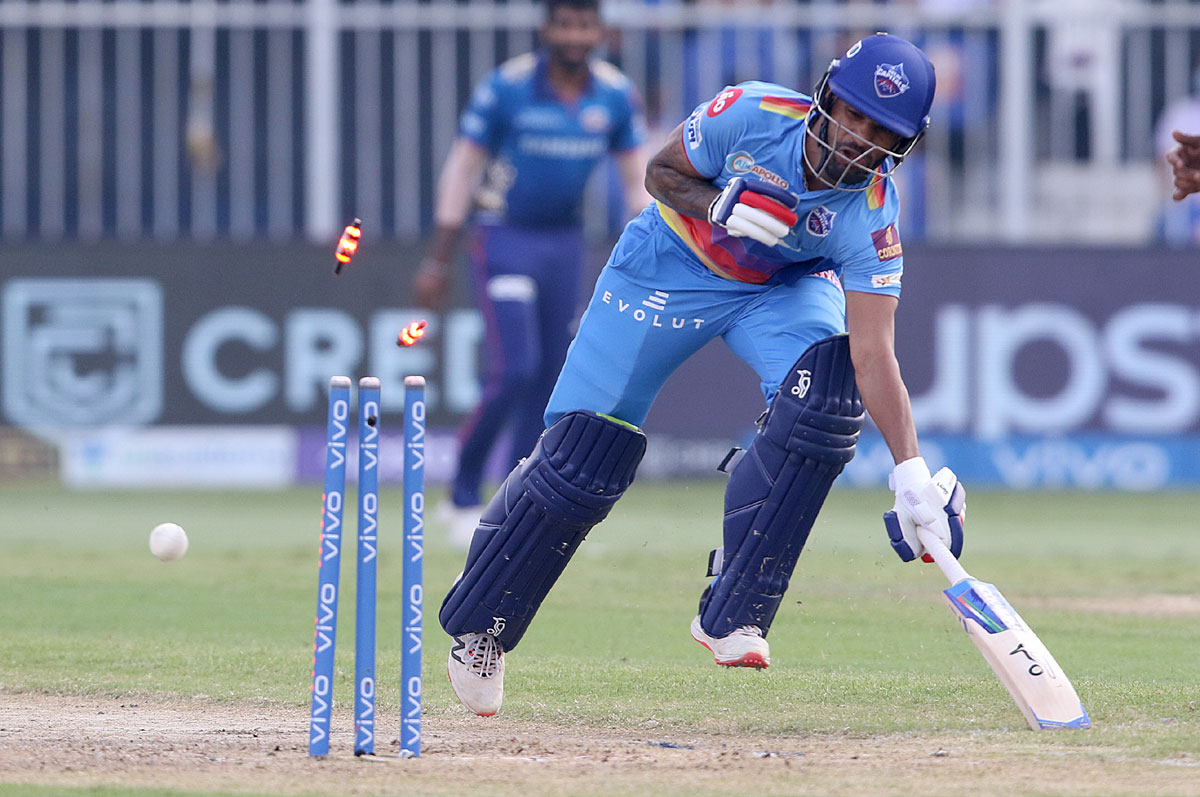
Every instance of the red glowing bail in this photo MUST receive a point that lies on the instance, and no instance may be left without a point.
(347, 245)
(411, 333)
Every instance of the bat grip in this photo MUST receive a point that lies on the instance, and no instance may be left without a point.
(950, 567)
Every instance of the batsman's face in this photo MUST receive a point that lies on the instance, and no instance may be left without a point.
(857, 145)
(571, 34)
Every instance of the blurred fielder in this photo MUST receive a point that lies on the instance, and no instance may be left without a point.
(537, 126)
(775, 229)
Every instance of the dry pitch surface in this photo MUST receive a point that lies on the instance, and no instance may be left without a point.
(218, 747)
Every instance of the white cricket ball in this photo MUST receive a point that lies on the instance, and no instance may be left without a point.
(168, 541)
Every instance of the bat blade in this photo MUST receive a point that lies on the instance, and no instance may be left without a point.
(1028, 671)
(1022, 663)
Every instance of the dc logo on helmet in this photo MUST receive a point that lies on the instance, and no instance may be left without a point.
(890, 80)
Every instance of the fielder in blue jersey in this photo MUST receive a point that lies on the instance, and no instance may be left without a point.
(528, 142)
(775, 228)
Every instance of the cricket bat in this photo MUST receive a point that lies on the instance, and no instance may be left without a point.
(1019, 659)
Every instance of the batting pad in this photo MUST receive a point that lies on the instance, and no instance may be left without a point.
(532, 526)
(776, 490)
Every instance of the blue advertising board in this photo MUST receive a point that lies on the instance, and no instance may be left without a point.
(1027, 367)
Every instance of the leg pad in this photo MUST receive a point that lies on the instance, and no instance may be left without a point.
(776, 490)
(528, 532)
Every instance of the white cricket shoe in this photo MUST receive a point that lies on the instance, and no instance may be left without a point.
(458, 522)
(745, 647)
(476, 669)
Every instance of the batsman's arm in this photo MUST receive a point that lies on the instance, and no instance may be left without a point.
(461, 176)
(671, 179)
(870, 320)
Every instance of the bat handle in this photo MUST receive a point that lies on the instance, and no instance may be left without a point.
(950, 567)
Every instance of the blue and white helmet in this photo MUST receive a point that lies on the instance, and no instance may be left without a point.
(888, 80)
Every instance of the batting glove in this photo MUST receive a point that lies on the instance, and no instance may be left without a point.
(937, 503)
(753, 208)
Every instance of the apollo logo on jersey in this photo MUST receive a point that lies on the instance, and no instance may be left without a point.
(820, 221)
(890, 80)
(742, 162)
(887, 243)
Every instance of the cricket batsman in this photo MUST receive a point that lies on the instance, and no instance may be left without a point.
(775, 228)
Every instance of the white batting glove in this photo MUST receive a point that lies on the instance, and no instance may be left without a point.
(937, 503)
(753, 208)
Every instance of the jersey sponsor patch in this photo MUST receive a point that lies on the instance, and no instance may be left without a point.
(885, 280)
(820, 221)
(656, 315)
(723, 100)
(739, 162)
(691, 131)
(742, 162)
(887, 243)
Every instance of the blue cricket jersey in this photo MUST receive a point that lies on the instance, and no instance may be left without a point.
(757, 129)
(544, 149)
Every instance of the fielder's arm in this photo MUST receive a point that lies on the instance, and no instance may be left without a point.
(460, 178)
(631, 165)
(870, 320)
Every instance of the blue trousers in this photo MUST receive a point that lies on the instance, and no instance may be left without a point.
(526, 284)
(655, 305)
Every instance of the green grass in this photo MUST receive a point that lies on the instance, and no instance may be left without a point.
(862, 645)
